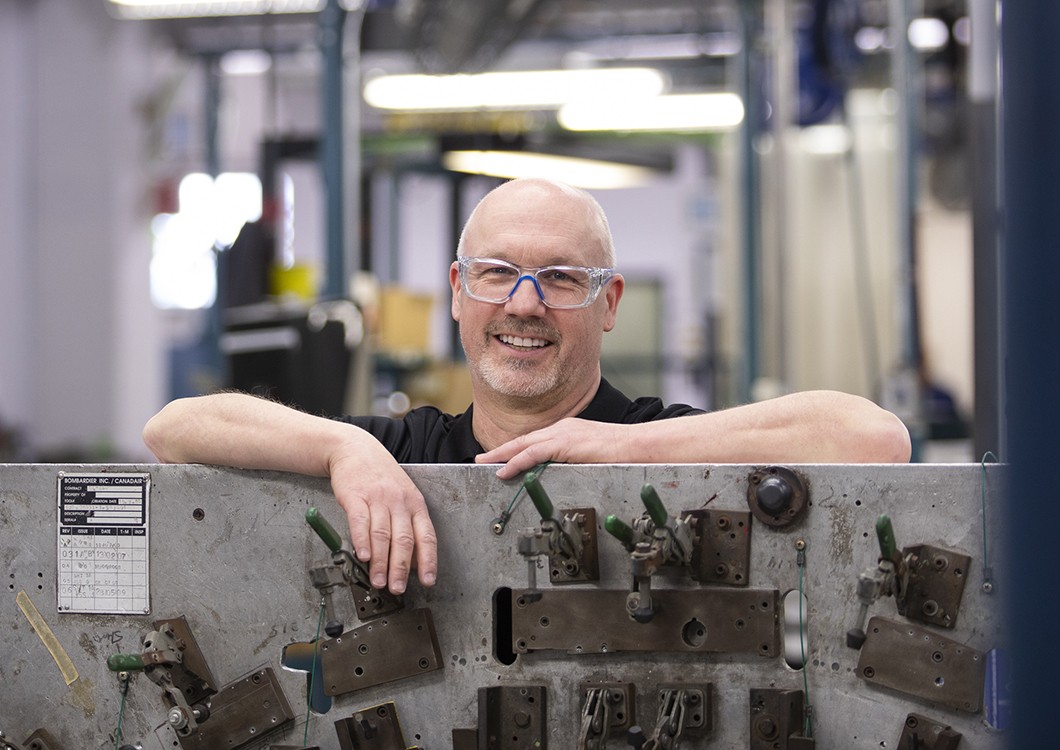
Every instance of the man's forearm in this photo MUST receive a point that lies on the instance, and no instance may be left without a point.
(243, 431)
(809, 427)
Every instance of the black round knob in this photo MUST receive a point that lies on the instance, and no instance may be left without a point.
(635, 737)
(333, 628)
(774, 495)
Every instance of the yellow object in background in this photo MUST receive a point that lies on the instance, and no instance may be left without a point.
(298, 281)
(404, 322)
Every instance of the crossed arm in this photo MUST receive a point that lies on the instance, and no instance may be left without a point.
(806, 427)
(388, 519)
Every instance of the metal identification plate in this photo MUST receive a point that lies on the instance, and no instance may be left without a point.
(103, 544)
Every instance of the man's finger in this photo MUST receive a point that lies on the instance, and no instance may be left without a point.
(380, 537)
(426, 547)
(359, 519)
(401, 543)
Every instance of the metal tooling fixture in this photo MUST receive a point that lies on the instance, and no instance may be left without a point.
(230, 552)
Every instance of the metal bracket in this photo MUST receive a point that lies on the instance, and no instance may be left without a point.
(512, 718)
(684, 711)
(721, 552)
(42, 740)
(936, 584)
(606, 708)
(242, 713)
(375, 728)
(919, 662)
(583, 521)
(922, 733)
(698, 620)
(777, 719)
(401, 645)
(39, 740)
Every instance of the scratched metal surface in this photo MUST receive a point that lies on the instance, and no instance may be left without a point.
(239, 576)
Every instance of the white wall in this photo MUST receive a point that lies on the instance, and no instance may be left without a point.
(17, 328)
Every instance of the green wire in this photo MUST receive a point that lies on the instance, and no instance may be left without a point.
(807, 729)
(312, 671)
(502, 520)
(121, 713)
(982, 494)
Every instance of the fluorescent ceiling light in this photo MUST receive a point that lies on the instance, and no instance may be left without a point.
(826, 140)
(584, 173)
(928, 34)
(529, 89)
(717, 111)
(195, 8)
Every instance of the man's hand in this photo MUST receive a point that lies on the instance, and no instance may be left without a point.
(388, 519)
(387, 515)
(571, 441)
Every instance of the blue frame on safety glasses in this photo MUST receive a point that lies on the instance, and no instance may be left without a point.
(556, 286)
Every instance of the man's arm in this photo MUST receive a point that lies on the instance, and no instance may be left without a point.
(387, 515)
(808, 427)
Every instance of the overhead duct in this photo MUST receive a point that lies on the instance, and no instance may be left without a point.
(449, 36)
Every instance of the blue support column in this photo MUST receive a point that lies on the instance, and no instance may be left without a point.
(331, 21)
(750, 190)
(1030, 259)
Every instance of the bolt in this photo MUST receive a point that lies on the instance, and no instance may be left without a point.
(988, 587)
(522, 719)
(177, 718)
(800, 544)
(766, 727)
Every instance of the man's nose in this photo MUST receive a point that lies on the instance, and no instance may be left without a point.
(526, 299)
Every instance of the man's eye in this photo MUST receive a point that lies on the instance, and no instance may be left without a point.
(557, 276)
(498, 271)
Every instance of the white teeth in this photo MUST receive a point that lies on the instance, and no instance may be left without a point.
(520, 341)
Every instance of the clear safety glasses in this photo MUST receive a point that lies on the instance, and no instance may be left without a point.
(560, 287)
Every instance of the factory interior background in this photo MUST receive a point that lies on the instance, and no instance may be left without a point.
(821, 239)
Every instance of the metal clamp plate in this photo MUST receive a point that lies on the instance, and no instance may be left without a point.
(722, 552)
(241, 713)
(512, 718)
(697, 620)
(916, 661)
(399, 645)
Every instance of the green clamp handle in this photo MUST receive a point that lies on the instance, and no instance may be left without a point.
(620, 530)
(323, 529)
(125, 662)
(539, 496)
(656, 511)
(885, 534)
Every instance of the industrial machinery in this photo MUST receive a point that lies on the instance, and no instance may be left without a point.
(582, 607)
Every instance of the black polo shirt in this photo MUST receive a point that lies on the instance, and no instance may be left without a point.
(427, 435)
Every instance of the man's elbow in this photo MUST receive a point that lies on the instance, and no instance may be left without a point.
(889, 441)
(157, 433)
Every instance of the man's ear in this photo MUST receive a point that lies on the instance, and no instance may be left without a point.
(613, 293)
(454, 282)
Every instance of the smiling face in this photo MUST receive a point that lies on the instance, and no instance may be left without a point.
(521, 352)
